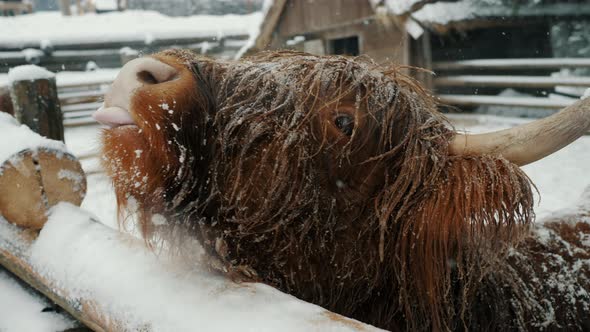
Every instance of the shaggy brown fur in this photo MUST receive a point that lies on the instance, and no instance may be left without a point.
(381, 225)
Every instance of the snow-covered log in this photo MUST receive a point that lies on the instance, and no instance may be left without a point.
(35, 174)
(77, 262)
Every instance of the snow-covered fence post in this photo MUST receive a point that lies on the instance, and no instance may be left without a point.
(5, 101)
(34, 96)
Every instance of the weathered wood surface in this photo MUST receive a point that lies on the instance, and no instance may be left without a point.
(15, 8)
(36, 105)
(536, 102)
(512, 81)
(513, 64)
(31, 182)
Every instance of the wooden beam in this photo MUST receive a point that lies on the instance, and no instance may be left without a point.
(511, 81)
(90, 303)
(533, 102)
(514, 64)
(36, 104)
(79, 97)
(269, 24)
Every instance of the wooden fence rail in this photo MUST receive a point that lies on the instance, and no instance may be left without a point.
(110, 54)
(511, 81)
(513, 64)
(453, 88)
(528, 102)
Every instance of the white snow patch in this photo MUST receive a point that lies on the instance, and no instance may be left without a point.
(128, 51)
(75, 177)
(32, 55)
(158, 220)
(131, 284)
(28, 73)
(22, 138)
(21, 310)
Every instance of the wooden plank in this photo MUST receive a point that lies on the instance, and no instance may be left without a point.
(90, 83)
(79, 97)
(79, 122)
(269, 24)
(514, 64)
(533, 102)
(89, 155)
(78, 114)
(81, 107)
(511, 81)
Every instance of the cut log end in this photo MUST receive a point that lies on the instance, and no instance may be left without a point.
(31, 182)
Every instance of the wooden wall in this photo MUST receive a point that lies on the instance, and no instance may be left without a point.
(321, 20)
(305, 16)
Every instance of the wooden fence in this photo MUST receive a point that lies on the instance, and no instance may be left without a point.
(75, 103)
(458, 77)
(75, 57)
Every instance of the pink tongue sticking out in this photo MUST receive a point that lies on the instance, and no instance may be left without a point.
(113, 117)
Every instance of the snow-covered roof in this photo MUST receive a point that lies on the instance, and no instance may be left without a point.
(436, 12)
(118, 27)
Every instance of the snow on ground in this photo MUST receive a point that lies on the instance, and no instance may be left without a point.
(21, 310)
(130, 25)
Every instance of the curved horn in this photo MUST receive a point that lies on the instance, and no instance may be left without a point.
(530, 142)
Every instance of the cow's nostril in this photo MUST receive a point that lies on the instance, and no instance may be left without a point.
(146, 77)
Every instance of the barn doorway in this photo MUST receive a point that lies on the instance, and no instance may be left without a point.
(345, 46)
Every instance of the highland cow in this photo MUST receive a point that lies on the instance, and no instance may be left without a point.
(336, 180)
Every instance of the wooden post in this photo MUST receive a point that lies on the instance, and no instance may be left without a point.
(34, 97)
(64, 5)
(5, 101)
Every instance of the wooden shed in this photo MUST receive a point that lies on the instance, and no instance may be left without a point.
(349, 27)
(432, 33)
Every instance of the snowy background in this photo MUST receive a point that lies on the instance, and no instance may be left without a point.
(560, 178)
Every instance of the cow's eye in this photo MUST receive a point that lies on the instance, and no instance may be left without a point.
(345, 123)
